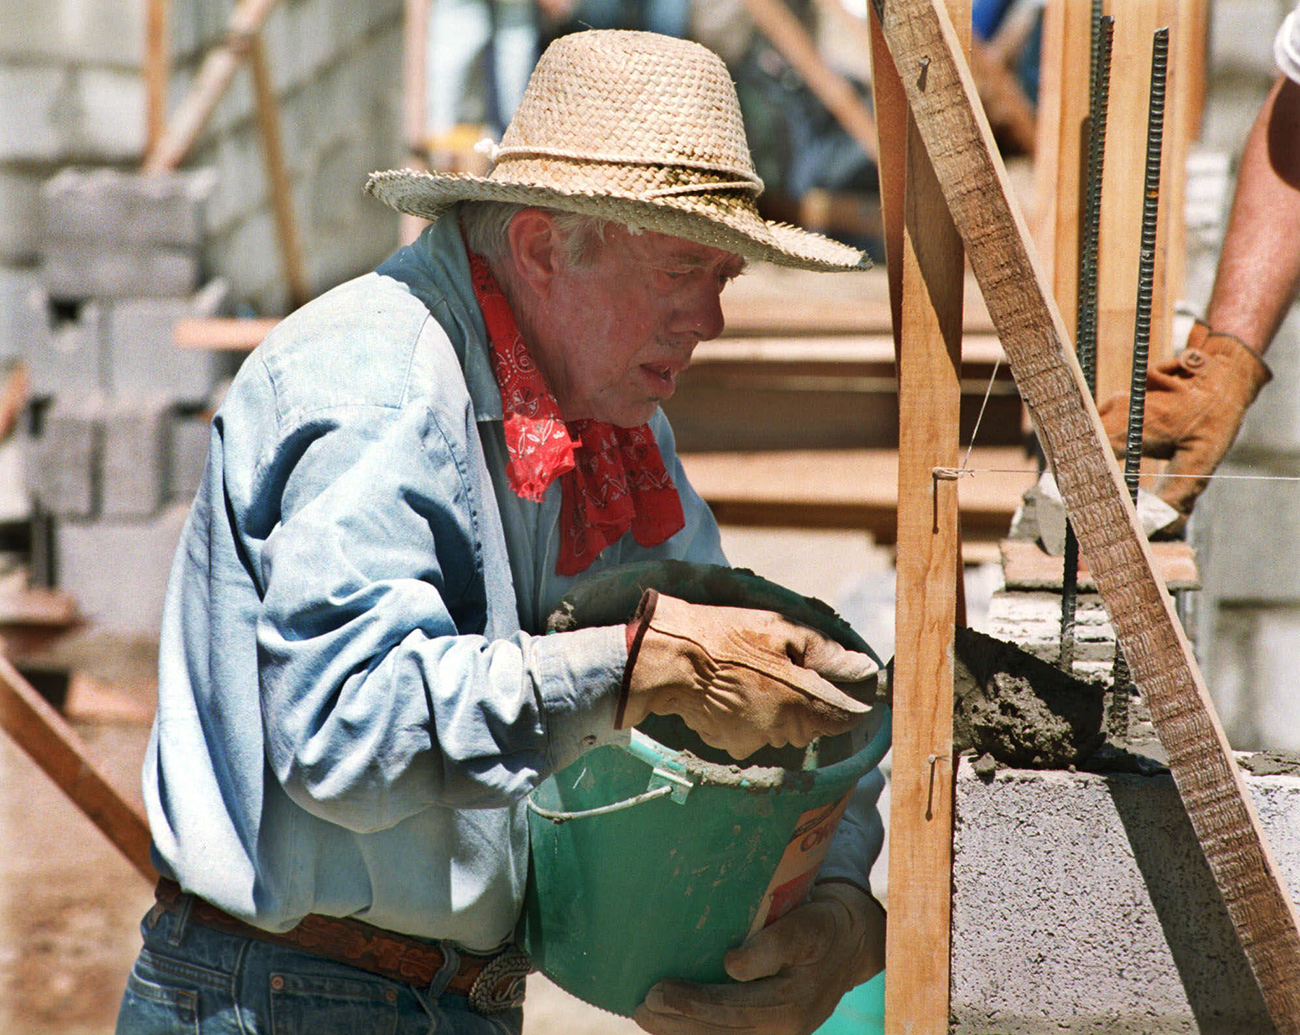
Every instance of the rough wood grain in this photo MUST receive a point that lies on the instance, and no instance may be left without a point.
(929, 277)
(926, 53)
(54, 746)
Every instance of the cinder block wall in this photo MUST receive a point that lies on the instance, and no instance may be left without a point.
(1247, 533)
(72, 93)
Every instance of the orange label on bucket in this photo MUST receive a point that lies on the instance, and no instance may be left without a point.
(794, 874)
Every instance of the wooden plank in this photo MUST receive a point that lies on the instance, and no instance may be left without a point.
(849, 488)
(939, 88)
(222, 333)
(210, 83)
(1119, 243)
(1059, 151)
(1026, 565)
(54, 746)
(266, 108)
(415, 57)
(155, 72)
(785, 32)
(930, 304)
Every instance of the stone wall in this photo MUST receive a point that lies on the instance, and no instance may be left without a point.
(97, 263)
(72, 93)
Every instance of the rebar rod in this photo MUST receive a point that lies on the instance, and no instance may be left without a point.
(1085, 323)
(1123, 684)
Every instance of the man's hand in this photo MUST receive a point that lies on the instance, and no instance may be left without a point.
(1194, 407)
(792, 973)
(739, 677)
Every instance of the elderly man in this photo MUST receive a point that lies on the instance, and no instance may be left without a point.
(403, 482)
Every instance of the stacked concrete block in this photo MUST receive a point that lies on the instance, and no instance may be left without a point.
(1082, 903)
(118, 570)
(109, 234)
(64, 468)
(187, 455)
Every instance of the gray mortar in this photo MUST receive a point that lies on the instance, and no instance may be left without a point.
(1021, 710)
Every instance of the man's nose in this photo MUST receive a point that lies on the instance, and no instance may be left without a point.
(700, 314)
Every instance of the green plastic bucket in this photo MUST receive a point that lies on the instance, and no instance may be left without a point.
(652, 860)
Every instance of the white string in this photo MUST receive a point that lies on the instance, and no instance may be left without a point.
(957, 472)
(976, 430)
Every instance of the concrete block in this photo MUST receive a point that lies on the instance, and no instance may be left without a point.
(23, 327)
(1248, 532)
(104, 32)
(118, 570)
(134, 459)
(111, 103)
(187, 456)
(64, 472)
(78, 270)
(112, 207)
(1032, 620)
(37, 105)
(1082, 903)
(20, 220)
(1252, 676)
(66, 354)
(142, 357)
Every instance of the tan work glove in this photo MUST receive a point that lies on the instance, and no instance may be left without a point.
(792, 974)
(1194, 406)
(739, 677)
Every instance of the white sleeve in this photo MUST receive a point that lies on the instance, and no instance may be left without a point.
(1286, 46)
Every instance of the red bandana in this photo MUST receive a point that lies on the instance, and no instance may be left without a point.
(611, 478)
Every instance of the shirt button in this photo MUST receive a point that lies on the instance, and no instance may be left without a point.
(589, 740)
(277, 982)
(390, 995)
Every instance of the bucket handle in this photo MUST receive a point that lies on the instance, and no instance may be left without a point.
(662, 783)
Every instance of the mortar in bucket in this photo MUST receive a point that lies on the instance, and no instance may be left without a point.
(651, 860)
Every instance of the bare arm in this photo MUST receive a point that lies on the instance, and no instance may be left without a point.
(1259, 268)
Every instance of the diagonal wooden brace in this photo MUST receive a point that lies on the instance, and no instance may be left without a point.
(54, 745)
(956, 136)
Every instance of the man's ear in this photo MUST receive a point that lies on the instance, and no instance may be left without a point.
(536, 250)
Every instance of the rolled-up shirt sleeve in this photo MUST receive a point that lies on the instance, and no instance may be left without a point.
(376, 702)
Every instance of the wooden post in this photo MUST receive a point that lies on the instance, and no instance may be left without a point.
(787, 35)
(54, 746)
(155, 72)
(210, 84)
(268, 124)
(941, 93)
(1059, 152)
(415, 46)
(928, 271)
(1119, 243)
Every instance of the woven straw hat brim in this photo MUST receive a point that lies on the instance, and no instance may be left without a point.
(724, 219)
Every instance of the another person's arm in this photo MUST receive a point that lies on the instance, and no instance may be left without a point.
(1196, 401)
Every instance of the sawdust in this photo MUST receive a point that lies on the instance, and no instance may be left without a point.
(1021, 710)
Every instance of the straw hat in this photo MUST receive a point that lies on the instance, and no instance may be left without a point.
(636, 128)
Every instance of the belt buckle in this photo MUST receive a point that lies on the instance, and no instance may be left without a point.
(500, 984)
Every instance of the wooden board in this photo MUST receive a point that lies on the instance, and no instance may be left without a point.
(929, 309)
(1026, 565)
(848, 488)
(54, 746)
(926, 51)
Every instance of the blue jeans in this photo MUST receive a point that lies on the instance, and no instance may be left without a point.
(199, 981)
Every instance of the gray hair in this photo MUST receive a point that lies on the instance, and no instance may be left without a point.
(486, 224)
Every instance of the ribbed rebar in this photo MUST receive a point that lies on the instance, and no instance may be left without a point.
(1122, 679)
(1085, 321)
(1146, 260)
(1098, 106)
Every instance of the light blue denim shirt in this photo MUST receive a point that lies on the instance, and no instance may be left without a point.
(352, 698)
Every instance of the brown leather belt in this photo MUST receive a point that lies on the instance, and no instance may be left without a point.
(491, 983)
